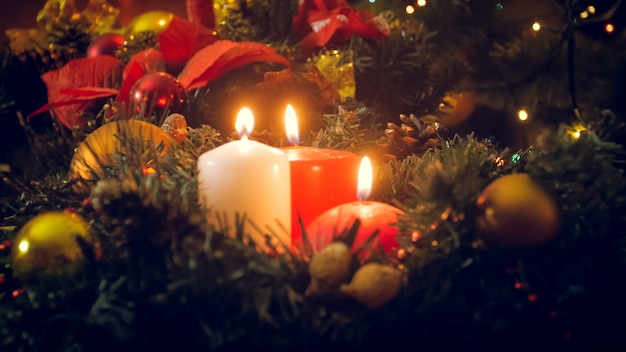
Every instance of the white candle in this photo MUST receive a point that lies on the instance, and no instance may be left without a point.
(251, 178)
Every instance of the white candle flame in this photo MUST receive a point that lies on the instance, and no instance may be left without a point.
(244, 122)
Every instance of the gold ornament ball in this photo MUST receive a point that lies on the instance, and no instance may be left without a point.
(46, 246)
(456, 108)
(151, 21)
(94, 151)
(515, 213)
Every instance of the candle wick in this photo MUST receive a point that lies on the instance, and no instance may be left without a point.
(244, 133)
(295, 141)
(362, 195)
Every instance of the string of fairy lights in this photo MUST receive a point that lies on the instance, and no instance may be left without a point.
(585, 14)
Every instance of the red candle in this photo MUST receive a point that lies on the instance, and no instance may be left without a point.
(373, 216)
(320, 178)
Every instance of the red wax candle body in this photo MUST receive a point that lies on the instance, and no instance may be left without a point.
(373, 215)
(320, 180)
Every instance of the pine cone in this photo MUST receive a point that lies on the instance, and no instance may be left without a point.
(140, 209)
(46, 59)
(106, 195)
(32, 47)
(70, 33)
(412, 137)
(237, 27)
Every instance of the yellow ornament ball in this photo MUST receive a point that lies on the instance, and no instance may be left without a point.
(47, 246)
(115, 137)
(151, 21)
(515, 213)
(456, 108)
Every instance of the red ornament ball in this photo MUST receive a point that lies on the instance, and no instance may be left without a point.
(105, 44)
(157, 94)
(373, 216)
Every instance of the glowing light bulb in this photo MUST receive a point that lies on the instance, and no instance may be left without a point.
(522, 115)
(410, 9)
(609, 28)
(584, 14)
(421, 3)
(536, 26)
(576, 130)
(591, 9)
(372, 1)
(23, 246)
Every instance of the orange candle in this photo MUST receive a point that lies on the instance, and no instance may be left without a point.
(320, 178)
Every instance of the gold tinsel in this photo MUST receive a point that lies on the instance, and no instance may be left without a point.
(221, 8)
(60, 24)
(337, 66)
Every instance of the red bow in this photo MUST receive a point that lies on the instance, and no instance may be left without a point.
(320, 20)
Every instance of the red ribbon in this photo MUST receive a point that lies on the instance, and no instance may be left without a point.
(318, 21)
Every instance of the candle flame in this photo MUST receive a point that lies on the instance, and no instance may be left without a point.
(364, 185)
(291, 125)
(244, 122)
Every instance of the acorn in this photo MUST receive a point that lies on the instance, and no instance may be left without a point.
(374, 284)
(175, 125)
(329, 268)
